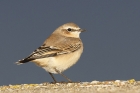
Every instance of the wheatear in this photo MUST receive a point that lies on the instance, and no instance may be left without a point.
(60, 51)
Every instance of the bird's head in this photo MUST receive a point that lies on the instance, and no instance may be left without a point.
(69, 30)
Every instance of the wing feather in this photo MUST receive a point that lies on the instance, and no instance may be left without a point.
(51, 51)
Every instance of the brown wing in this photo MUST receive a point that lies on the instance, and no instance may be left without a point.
(50, 51)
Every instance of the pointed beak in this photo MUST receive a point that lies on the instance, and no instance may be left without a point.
(82, 30)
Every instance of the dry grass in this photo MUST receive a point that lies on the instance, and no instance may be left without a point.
(117, 86)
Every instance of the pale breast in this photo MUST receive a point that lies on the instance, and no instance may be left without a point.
(64, 62)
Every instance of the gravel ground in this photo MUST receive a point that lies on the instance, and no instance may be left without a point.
(117, 86)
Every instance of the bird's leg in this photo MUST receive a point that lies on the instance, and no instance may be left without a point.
(53, 77)
(63, 75)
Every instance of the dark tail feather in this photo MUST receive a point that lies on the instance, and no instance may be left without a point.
(22, 61)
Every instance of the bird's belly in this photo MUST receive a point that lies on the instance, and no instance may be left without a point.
(60, 63)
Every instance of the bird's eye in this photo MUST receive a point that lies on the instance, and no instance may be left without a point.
(69, 29)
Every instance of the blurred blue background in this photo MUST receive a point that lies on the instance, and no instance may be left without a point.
(111, 42)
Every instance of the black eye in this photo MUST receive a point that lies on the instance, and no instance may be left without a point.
(69, 29)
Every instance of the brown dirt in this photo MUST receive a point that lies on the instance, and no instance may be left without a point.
(117, 86)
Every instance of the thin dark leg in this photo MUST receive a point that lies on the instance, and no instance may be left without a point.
(53, 77)
(63, 76)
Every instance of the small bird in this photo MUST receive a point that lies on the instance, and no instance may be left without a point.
(60, 50)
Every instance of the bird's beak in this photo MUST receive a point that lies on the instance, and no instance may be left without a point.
(82, 30)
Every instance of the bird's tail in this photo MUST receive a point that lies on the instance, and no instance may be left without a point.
(22, 61)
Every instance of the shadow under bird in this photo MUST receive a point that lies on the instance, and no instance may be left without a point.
(60, 50)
